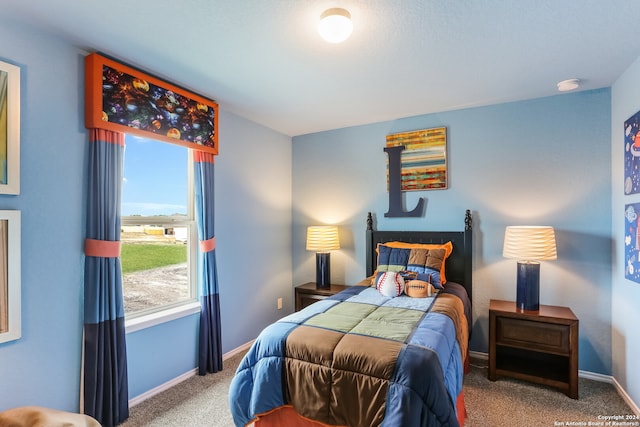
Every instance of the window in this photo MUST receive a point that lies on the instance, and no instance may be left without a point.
(158, 227)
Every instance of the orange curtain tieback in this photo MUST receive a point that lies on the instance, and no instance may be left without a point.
(208, 245)
(102, 248)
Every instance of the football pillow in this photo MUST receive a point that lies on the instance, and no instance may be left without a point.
(390, 284)
(419, 289)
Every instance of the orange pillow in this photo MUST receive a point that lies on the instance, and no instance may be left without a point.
(448, 248)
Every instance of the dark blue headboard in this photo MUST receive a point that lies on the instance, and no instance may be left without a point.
(458, 265)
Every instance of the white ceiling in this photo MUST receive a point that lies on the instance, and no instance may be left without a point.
(263, 59)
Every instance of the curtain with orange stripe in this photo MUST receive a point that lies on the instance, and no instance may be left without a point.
(210, 342)
(106, 395)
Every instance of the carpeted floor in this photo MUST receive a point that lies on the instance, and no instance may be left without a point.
(197, 402)
(508, 402)
(202, 401)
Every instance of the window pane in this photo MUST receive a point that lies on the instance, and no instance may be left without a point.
(155, 178)
(154, 269)
(156, 226)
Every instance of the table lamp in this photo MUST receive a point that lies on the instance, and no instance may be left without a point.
(529, 245)
(322, 239)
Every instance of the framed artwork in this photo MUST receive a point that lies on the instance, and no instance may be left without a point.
(123, 99)
(632, 242)
(9, 129)
(632, 154)
(423, 160)
(10, 305)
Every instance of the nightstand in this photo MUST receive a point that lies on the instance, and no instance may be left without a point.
(538, 346)
(308, 293)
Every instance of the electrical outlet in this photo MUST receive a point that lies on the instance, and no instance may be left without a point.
(279, 303)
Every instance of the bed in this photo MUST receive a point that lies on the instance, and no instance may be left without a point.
(365, 358)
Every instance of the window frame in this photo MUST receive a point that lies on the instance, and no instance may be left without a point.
(146, 318)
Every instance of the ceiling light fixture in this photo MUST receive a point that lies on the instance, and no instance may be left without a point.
(567, 85)
(335, 25)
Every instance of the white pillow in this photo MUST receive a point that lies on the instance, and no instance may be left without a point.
(390, 284)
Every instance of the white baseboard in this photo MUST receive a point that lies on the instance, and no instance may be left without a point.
(595, 376)
(611, 380)
(584, 374)
(478, 355)
(243, 347)
(626, 397)
(177, 380)
(162, 387)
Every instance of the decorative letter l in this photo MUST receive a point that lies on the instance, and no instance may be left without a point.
(395, 186)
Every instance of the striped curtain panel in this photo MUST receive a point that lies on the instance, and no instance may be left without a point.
(106, 395)
(210, 342)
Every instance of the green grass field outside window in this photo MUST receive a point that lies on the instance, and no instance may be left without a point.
(141, 256)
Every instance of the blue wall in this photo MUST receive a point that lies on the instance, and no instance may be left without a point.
(43, 367)
(625, 96)
(542, 162)
(253, 228)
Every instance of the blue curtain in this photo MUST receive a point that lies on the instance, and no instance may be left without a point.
(210, 342)
(106, 395)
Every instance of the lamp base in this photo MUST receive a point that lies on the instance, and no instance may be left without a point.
(528, 290)
(323, 272)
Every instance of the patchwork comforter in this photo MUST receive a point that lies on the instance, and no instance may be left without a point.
(359, 359)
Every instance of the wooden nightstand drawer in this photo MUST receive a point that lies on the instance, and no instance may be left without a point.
(533, 335)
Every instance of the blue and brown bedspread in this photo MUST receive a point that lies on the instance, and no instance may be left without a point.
(359, 359)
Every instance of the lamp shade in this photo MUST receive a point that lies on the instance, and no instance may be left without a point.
(322, 238)
(335, 25)
(530, 243)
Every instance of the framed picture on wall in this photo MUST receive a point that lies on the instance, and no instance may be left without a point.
(632, 154)
(632, 242)
(10, 303)
(423, 160)
(9, 129)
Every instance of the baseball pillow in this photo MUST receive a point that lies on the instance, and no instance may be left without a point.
(390, 284)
